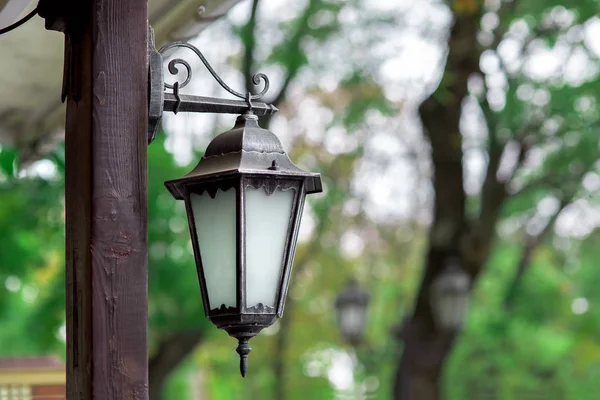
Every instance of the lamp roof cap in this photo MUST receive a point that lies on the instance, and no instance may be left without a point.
(245, 149)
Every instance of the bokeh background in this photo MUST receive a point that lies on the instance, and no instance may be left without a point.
(497, 99)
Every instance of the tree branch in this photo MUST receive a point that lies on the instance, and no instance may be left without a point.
(493, 195)
(554, 181)
(279, 97)
(550, 181)
(294, 43)
(531, 244)
(494, 191)
(250, 45)
(171, 351)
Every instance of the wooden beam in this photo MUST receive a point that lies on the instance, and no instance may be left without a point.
(106, 202)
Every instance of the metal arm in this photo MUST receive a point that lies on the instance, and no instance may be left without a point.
(159, 100)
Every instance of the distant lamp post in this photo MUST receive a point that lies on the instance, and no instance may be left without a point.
(351, 312)
(244, 202)
(449, 296)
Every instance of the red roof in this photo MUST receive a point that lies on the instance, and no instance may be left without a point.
(47, 362)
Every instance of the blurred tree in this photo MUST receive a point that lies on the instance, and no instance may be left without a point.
(31, 257)
(538, 134)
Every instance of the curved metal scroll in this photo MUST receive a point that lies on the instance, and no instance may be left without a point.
(172, 67)
(159, 100)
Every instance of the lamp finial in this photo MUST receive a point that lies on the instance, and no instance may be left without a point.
(243, 350)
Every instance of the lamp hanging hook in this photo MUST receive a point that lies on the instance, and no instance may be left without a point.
(177, 98)
(249, 102)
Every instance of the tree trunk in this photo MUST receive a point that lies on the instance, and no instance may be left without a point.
(170, 353)
(426, 348)
(420, 370)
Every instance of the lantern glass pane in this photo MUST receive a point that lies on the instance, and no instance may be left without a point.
(451, 309)
(216, 228)
(352, 320)
(267, 222)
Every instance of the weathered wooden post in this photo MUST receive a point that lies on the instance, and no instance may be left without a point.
(106, 195)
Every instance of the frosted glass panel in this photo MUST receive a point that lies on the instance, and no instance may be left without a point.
(352, 320)
(452, 310)
(216, 227)
(267, 222)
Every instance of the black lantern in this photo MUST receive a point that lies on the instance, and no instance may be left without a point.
(351, 312)
(244, 202)
(449, 296)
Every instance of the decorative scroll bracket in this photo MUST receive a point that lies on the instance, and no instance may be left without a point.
(159, 100)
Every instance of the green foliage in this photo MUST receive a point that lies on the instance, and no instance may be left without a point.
(8, 161)
(179, 387)
(174, 295)
(31, 257)
(536, 346)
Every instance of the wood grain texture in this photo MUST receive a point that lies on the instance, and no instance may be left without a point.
(106, 199)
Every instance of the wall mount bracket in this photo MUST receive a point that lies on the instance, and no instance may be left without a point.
(163, 96)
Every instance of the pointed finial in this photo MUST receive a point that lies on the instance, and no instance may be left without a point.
(243, 350)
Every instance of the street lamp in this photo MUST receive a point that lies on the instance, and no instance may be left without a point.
(449, 296)
(244, 203)
(351, 312)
